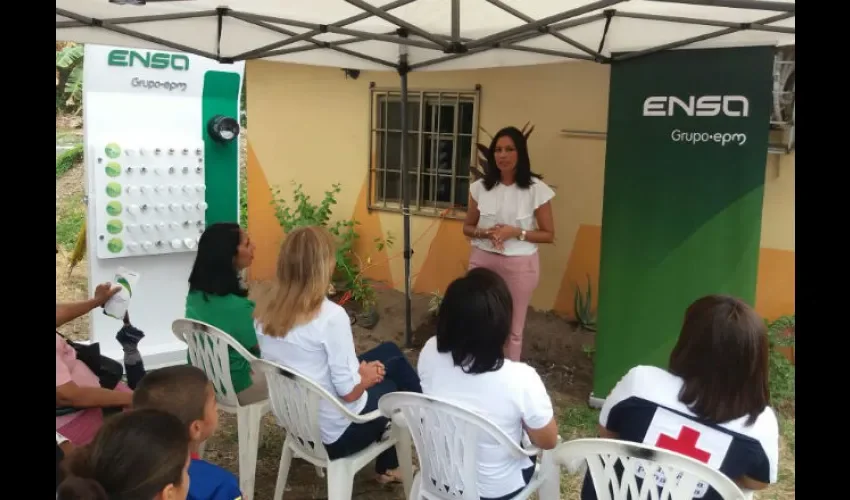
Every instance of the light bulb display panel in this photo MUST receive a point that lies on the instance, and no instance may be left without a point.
(149, 199)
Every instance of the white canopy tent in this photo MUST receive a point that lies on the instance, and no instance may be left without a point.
(423, 35)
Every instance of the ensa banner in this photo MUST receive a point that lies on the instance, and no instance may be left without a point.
(684, 181)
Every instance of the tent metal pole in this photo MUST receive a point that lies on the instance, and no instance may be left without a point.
(308, 35)
(695, 39)
(401, 23)
(138, 19)
(89, 21)
(708, 22)
(536, 26)
(403, 70)
(739, 4)
(508, 44)
(456, 21)
(512, 11)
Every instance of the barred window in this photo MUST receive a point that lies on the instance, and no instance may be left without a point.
(442, 132)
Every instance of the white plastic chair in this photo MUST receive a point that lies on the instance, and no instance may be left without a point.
(208, 351)
(446, 438)
(655, 465)
(295, 404)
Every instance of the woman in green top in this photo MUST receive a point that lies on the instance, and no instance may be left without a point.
(217, 297)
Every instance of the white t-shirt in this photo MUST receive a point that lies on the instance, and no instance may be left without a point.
(644, 407)
(510, 205)
(507, 397)
(323, 351)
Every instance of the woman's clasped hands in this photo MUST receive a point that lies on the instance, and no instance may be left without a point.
(499, 233)
(372, 372)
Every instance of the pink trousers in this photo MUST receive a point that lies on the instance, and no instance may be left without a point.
(521, 273)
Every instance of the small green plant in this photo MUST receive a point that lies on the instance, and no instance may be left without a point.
(434, 303)
(301, 211)
(243, 198)
(583, 304)
(781, 330)
(69, 158)
(782, 375)
(588, 350)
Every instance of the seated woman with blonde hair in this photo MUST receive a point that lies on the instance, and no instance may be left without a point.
(299, 328)
(712, 404)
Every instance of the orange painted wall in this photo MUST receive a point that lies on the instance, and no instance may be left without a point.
(312, 125)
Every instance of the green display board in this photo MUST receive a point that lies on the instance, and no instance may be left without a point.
(221, 97)
(684, 182)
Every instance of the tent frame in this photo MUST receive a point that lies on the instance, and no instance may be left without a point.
(453, 45)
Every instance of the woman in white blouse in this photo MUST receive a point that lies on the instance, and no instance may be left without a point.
(465, 364)
(509, 215)
(299, 328)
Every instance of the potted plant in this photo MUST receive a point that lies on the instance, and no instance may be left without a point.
(348, 276)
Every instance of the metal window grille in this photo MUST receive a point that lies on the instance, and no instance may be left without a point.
(441, 147)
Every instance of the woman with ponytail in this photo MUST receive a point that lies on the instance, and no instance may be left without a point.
(138, 455)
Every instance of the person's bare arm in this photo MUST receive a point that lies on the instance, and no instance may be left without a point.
(71, 394)
(470, 222)
(73, 310)
(546, 437)
(545, 232)
(70, 311)
(370, 374)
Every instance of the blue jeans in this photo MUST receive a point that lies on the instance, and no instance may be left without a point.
(399, 376)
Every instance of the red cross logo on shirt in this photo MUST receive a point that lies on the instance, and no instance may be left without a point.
(686, 444)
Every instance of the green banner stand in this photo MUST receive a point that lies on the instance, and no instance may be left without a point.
(684, 181)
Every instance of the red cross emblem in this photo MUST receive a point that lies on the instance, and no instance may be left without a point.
(686, 444)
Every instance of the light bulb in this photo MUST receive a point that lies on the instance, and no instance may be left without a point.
(132, 246)
(132, 190)
(146, 228)
(202, 205)
(189, 242)
(200, 188)
(176, 243)
(133, 209)
(147, 245)
(175, 207)
(188, 207)
(161, 226)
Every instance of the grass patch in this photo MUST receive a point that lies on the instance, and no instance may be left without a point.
(788, 431)
(68, 159)
(575, 422)
(70, 214)
(67, 137)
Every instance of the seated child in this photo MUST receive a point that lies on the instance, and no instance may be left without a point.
(186, 392)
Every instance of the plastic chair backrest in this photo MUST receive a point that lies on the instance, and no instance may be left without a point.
(208, 350)
(446, 437)
(655, 466)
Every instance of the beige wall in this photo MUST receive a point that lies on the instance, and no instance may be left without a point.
(311, 125)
